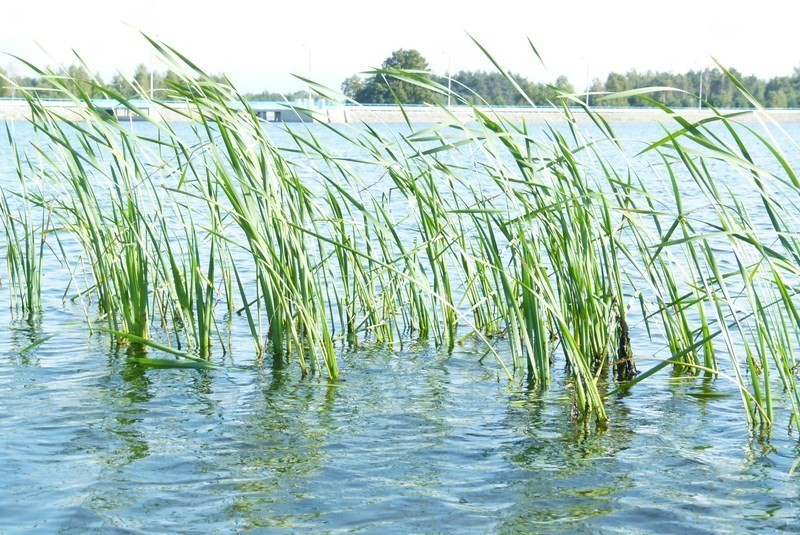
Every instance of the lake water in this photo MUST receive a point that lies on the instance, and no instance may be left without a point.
(409, 440)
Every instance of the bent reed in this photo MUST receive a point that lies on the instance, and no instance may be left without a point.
(547, 245)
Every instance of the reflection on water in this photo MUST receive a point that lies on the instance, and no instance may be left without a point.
(409, 441)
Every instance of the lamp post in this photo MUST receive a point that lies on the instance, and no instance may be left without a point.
(587, 82)
(586, 89)
(449, 77)
(449, 80)
(700, 94)
(152, 81)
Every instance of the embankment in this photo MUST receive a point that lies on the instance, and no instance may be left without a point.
(17, 109)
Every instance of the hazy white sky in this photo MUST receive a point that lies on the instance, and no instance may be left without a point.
(259, 43)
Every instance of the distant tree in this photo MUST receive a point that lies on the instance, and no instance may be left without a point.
(596, 87)
(276, 97)
(756, 88)
(5, 90)
(170, 80)
(352, 86)
(776, 93)
(563, 84)
(617, 83)
(88, 83)
(141, 78)
(719, 88)
(138, 85)
(120, 85)
(778, 99)
(495, 88)
(383, 89)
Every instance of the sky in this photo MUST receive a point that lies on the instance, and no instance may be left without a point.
(260, 44)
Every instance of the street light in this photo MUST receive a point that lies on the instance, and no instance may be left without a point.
(449, 80)
(700, 95)
(152, 82)
(449, 77)
(586, 91)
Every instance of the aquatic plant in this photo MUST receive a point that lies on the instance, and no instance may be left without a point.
(539, 243)
(25, 237)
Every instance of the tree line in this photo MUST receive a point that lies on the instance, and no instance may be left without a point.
(140, 83)
(710, 84)
(477, 87)
(474, 87)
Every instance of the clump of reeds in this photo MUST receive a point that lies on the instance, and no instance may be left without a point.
(532, 241)
(26, 222)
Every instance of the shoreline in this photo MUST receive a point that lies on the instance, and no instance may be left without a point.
(18, 109)
(392, 114)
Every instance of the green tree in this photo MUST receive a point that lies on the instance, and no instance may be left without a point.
(352, 86)
(563, 84)
(5, 90)
(88, 83)
(616, 83)
(384, 89)
(119, 84)
(270, 96)
(776, 94)
(141, 78)
(755, 86)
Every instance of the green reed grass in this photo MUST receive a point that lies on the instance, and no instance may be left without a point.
(25, 236)
(533, 242)
(25, 244)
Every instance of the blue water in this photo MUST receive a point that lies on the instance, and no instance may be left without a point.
(409, 440)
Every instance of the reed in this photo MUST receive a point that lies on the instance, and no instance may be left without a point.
(25, 244)
(109, 223)
(269, 205)
(537, 243)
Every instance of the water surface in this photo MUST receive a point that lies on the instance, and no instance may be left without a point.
(409, 440)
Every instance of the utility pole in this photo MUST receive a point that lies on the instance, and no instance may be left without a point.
(587, 82)
(586, 89)
(700, 96)
(449, 80)
(152, 74)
